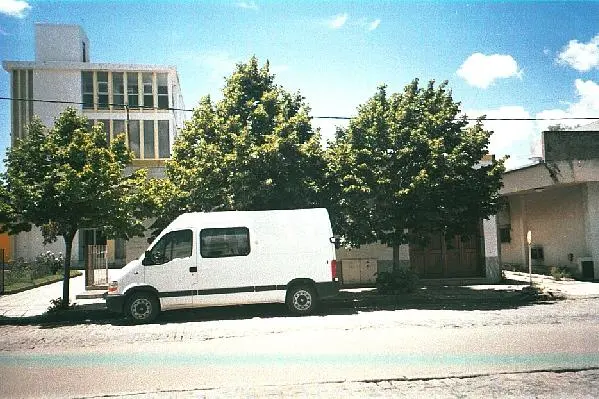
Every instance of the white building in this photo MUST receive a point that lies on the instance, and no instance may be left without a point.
(557, 200)
(142, 101)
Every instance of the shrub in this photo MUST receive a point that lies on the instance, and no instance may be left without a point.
(397, 281)
(56, 306)
(46, 263)
(560, 272)
(19, 271)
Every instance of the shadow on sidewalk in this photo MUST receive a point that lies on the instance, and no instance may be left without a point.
(461, 298)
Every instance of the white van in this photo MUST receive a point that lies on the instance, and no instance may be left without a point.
(231, 258)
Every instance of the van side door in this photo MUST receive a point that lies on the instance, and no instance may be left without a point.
(224, 266)
(170, 266)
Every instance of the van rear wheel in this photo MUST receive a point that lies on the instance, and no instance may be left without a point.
(301, 300)
(142, 307)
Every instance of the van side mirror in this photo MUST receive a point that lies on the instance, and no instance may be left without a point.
(336, 241)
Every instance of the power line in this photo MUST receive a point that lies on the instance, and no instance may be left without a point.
(125, 106)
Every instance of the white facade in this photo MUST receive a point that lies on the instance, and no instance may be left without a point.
(142, 101)
(556, 200)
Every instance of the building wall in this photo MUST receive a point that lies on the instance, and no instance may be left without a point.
(55, 84)
(556, 218)
(60, 43)
(591, 212)
(28, 245)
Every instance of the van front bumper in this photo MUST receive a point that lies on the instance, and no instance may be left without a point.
(327, 289)
(115, 303)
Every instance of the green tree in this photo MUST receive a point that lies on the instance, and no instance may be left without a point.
(254, 149)
(408, 165)
(67, 178)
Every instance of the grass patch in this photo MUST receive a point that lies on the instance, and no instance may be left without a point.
(12, 287)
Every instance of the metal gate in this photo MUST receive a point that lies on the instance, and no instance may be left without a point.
(96, 267)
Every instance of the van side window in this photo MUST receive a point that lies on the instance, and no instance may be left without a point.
(175, 244)
(219, 243)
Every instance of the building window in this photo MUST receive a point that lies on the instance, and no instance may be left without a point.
(118, 90)
(22, 108)
(164, 148)
(162, 81)
(219, 243)
(84, 58)
(536, 253)
(102, 87)
(134, 137)
(106, 127)
(30, 93)
(132, 89)
(173, 245)
(149, 152)
(118, 127)
(87, 89)
(505, 234)
(147, 78)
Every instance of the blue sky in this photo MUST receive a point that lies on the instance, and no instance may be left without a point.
(504, 59)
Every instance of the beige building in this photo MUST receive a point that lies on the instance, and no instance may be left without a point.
(557, 200)
(142, 101)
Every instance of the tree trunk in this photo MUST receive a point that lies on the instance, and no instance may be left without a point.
(395, 257)
(68, 242)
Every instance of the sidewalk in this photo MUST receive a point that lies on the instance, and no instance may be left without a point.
(36, 301)
(571, 289)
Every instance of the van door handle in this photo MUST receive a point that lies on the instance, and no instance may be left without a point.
(193, 269)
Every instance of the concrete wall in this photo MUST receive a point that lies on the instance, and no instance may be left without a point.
(491, 249)
(383, 254)
(60, 43)
(30, 244)
(53, 84)
(556, 218)
(591, 213)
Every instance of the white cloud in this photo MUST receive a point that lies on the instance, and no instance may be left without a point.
(249, 5)
(522, 139)
(581, 56)
(219, 62)
(587, 106)
(338, 21)
(513, 138)
(482, 70)
(14, 8)
(374, 24)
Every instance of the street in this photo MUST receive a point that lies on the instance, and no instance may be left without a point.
(260, 351)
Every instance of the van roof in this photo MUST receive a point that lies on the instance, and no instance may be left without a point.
(236, 218)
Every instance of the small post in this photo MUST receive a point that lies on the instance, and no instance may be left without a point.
(529, 241)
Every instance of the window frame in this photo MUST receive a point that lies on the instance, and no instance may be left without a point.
(150, 260)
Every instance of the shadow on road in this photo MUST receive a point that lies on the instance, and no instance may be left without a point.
(461, 298)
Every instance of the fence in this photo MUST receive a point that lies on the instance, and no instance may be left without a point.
(2, 267)
(96, 268)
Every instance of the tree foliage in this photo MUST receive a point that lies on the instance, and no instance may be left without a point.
(254, 149)
(67, 178)
(407, 165)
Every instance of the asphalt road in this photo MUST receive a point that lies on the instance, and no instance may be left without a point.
(329, 350)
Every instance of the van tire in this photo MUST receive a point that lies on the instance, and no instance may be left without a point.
(301, 299)
(142, 307)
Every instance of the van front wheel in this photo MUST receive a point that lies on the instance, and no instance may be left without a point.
(142, 307)
(301, 300)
